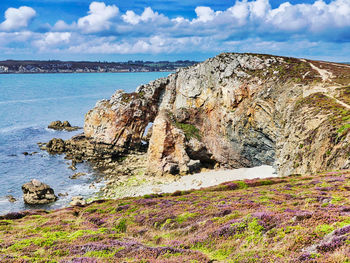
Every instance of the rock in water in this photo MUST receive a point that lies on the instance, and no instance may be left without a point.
(38, 193)
(11, 198)
(76, 175)
(65, 125)
(55, 146)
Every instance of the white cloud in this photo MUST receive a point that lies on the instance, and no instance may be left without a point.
(16, 18)
(205, 14)
(51, 39)
(99, 17)
(13, 37)
(148, 15)
(63, 26)
(152, 45)
(180, 20)
(315, 18)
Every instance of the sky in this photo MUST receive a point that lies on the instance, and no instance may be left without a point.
(121, 30)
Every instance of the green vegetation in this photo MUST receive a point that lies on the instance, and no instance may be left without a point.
(121, 226)
(190, 130)
(184, 217)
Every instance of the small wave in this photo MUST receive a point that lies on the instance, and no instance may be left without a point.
(53, 98)
(12, 129)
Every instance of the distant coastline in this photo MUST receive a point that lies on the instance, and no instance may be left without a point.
(56, 66)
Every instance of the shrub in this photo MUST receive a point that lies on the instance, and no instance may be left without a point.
(121, 226)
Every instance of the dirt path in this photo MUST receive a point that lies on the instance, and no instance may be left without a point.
(325, 75)
(338, 101)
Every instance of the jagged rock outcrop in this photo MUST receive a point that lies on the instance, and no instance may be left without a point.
(235, 110)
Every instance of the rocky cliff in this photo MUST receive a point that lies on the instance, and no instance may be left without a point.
(234, 110)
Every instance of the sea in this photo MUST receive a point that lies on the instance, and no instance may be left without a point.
(28, 103)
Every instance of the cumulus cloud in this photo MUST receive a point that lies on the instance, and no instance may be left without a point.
(99, 17)
(54, 38)
(63, 26)
(17, 18)
(148, 15)
(155, 45)
(11, 37)
(205, 14)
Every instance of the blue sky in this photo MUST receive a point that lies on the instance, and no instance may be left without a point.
(114, 30)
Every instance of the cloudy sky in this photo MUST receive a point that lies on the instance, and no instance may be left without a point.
(116, 30)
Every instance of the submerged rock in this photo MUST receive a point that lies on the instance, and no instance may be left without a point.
(38, 193)
(65, 125)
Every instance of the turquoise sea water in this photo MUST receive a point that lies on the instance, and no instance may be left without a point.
(28, 103)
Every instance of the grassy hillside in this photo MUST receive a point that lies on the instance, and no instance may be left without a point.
(293, 219)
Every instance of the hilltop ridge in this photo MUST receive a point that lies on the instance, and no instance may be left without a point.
(56, 66)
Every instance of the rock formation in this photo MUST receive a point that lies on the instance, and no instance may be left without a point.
(65, 125)
(233, 110)
(38, 193)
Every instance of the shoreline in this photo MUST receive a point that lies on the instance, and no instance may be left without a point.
(142, 185)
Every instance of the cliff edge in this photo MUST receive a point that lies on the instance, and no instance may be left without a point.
(234, 110)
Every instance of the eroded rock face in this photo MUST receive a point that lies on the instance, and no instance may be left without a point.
(235, 110)
(122, 120)
(38, 193)
(167, 150)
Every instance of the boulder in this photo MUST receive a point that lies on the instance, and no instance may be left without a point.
(38, 193)
(55, 145)
(77, 201)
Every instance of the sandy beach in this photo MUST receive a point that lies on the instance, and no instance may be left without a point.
(139, 186)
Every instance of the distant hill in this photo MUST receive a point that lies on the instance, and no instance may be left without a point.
(56, 66)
